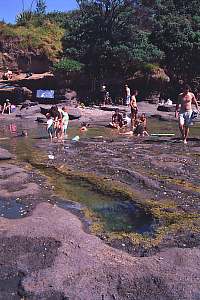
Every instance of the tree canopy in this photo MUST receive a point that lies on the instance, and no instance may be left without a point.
(118, 37)
(176, 32)
(104, 35)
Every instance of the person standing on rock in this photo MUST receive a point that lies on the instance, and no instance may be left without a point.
(185, 100)
(128, 94)
(134, 109)
(65, 121)
(103, 93)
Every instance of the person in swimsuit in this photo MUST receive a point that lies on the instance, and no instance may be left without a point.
(134, 109)
(50, 127)
(57, 120)
(65, 120)
(185, 101)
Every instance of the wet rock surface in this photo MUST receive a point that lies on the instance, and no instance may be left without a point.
(163, 171)
(62, 262)
(5, 154)
(47, 254)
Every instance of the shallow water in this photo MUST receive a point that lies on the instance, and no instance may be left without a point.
(115, 214)
(12, 209)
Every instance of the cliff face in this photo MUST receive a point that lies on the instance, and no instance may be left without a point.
(19, 59)
(31, 48)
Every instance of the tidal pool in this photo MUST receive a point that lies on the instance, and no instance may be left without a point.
(12, 209)
(114, 213)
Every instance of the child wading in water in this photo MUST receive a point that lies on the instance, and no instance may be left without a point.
(50, 127)
(65, 121)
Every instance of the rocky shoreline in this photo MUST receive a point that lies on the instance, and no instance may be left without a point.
(48, 254)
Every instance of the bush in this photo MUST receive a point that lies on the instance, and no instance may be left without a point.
(46, 39)
(67, 65)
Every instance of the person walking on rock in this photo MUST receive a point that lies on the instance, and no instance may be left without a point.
(185, 101)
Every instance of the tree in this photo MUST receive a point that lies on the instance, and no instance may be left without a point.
(41, 7)
(67, 65)
(106, 38)
(176, 33)
(60, 18)
(23, 18)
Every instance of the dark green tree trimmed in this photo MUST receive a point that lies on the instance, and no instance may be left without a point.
(177, 33)
(105, 37)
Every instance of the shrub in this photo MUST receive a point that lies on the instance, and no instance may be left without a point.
(67, 65)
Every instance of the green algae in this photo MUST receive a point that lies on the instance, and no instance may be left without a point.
(169, 218)
(107, 207)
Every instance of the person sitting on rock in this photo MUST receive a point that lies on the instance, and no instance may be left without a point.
(8, 74)
(126, 120)
(141, 126)
(6, 107)
(117, 121)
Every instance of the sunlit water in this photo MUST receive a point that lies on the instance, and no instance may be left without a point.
(114, 213)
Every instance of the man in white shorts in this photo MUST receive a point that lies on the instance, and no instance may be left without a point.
(128, 94)
(185, 100)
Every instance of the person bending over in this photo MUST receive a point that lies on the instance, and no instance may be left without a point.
(6, 107)
(50, 127)
(185, 101)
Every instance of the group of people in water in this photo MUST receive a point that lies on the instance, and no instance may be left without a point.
(122, 122)
(58, 118)
(57, 122)
(137, 123)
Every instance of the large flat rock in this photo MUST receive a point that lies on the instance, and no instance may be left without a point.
(83, 267)
(5, 154)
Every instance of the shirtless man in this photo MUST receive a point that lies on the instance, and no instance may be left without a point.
(134, 109)
(185, 99)
(128, 94)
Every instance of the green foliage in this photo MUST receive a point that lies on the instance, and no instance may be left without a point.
(41, 7)
(60, 18)
(117, 36)
(67, 65)
(24, 17)
(177, 33)
(149, 68)
(45, 39)
(105, 37)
